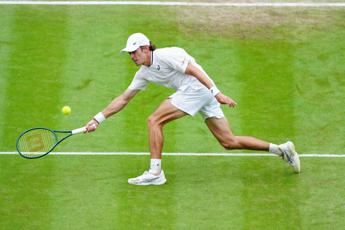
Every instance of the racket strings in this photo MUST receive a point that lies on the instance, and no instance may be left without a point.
(37, 142)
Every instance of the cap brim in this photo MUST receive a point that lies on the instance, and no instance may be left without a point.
(129, 49)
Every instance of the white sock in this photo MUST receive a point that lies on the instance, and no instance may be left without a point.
(274, 149)
(155, 166)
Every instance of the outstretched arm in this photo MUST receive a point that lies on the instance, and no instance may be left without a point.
(114, 107)
(197, 73)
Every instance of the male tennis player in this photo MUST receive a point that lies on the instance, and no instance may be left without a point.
(195, 93)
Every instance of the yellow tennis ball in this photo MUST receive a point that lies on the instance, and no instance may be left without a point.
(66, 110)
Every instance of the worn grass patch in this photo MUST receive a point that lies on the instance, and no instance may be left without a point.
(257, 23)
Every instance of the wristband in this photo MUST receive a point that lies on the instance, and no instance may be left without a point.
(99, 117)
(214, 90)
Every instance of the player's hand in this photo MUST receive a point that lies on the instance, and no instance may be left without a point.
(225, 100)
(91, 126)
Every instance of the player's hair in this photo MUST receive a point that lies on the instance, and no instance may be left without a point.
(152, 47)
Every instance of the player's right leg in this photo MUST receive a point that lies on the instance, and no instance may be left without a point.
(148, 178)
(165, 113)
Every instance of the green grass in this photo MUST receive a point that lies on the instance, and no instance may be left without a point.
(285, 69)
(288, 84)
(85, 192)
(231, 1)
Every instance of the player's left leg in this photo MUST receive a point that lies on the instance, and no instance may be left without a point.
(221, 130)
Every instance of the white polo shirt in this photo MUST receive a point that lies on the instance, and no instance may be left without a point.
(168, 66)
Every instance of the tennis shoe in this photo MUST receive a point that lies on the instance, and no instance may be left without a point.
(148, 178)
(290, 155)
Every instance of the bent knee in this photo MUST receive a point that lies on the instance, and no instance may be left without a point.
(153, 121)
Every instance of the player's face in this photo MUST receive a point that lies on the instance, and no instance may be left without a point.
(140, 56)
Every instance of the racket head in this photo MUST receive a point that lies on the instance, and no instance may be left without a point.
(36, 142)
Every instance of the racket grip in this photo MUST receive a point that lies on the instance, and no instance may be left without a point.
(80, 130)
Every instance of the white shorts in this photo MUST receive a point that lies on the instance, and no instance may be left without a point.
(199, 100)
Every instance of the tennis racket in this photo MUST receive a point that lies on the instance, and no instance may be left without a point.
(38, 142)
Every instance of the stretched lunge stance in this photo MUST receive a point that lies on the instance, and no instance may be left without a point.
(195, 93)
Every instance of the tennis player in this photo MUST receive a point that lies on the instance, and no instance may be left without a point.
(195, 93)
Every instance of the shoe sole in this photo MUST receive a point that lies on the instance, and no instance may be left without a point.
(296, 157)
(149, 183)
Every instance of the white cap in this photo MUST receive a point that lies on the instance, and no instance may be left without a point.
(135, 41)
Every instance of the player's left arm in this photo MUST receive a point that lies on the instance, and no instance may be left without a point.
(198, 74)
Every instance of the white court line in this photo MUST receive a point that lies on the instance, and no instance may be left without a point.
(158, 3)
(185, 154)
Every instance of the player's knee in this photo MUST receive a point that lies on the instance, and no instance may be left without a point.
(230, 143)
(152, 121)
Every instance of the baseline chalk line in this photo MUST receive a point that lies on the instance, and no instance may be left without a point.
(161, 3)
(314, 155)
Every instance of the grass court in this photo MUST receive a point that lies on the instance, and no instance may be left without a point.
(283, 66)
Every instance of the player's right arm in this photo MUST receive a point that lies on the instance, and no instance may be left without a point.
(119, 103)
(114, 107)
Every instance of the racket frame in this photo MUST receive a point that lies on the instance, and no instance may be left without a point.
(57, 141)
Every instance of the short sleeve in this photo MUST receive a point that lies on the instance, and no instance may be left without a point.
(177, 59)
(139, 81)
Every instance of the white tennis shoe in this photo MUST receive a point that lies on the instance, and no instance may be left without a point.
(290, 155)
(148, 178)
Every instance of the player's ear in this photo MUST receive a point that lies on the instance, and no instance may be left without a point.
(145, 49)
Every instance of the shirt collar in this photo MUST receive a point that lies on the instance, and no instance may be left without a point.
(151, 58)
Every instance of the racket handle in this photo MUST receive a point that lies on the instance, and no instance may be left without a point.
(80, 130)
